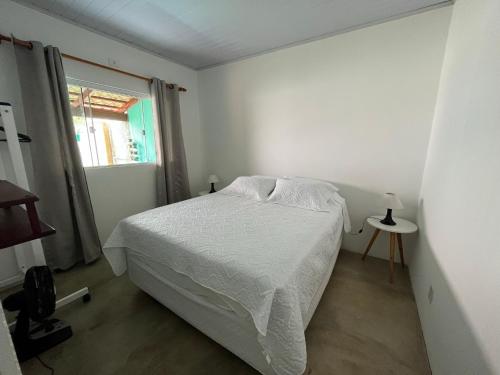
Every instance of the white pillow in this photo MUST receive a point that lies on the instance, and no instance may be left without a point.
(326, 184)
(256, 187)
(300, 194)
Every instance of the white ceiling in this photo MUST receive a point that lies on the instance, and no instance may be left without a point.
(203, 33)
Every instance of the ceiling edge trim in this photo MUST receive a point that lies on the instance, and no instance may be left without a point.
(441, 4)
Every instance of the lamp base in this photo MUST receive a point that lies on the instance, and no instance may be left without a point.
(387, 220)
(212, 188)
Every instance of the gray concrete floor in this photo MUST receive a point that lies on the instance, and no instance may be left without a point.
(363, 325)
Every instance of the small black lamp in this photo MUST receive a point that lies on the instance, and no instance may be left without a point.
(212, 180)
(391, 202)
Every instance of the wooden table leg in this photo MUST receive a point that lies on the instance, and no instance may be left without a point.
(392, 249)
(374, 237)
(400, 245)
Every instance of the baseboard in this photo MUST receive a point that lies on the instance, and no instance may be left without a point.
(12, 281)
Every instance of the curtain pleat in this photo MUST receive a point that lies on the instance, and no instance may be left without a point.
(172, 175)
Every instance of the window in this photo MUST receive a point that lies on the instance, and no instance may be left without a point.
(112, 128)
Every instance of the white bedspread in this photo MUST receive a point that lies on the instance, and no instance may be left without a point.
(266, 257)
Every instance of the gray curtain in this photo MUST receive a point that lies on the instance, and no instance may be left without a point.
(58, 176)
(172, 177)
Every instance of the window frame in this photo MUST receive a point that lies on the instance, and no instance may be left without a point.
(118, 90)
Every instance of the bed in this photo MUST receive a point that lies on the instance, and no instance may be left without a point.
(247, 273)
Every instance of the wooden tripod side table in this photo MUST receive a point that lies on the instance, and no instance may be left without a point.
(402, 227)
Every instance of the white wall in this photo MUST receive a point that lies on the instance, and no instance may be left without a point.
(355, 108)
(26, 23)
(457, 252)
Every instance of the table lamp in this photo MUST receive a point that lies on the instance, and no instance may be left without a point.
(391, 202)
(212, 180)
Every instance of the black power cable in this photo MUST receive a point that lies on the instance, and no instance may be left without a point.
(45, 365)
(363, 225)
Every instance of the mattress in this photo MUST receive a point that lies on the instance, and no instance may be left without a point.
(259, 261)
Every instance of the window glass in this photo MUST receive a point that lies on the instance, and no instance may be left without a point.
(112, 128)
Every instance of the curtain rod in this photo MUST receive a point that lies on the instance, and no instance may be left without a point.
(28, 45)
